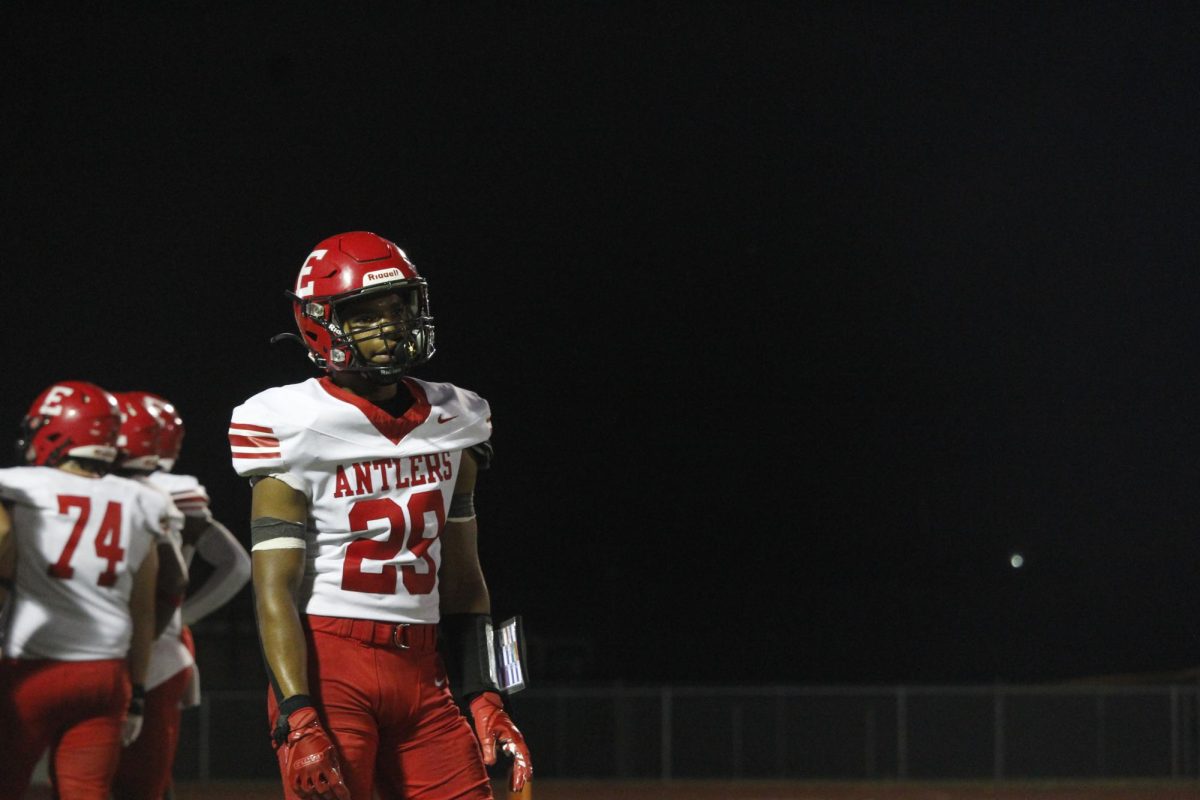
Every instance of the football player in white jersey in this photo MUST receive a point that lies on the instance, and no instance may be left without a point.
(153, 437)
(364, 546)
(203, 535)
(79, 623)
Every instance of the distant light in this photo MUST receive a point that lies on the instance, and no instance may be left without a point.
(1017, 560)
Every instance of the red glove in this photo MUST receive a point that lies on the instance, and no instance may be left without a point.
(311, 764)
(492, 723)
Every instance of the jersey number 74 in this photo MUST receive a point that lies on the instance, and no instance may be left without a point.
(107, 541)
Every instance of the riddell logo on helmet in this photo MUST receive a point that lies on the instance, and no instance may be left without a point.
(381, 276)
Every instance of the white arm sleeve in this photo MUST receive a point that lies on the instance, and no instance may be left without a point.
(231, 571)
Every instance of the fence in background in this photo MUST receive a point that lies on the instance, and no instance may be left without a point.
(786, 732)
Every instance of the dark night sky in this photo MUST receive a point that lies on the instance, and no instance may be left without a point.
(796, 319)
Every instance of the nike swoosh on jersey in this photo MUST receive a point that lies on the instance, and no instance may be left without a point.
(442, 419)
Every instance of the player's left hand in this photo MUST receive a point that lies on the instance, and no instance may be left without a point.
(493, 724)
(313, 770)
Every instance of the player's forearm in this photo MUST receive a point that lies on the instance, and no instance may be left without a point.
(465, 597)
(172, 567)
(8, 556)
(462, 588)
(276, 576)
(283, 643)
(141, 611)
(171, 584)
(139, 648)
(5, 527)
(8, 547)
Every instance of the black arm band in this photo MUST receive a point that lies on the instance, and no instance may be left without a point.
(467, 650)
(137, 701)
(264, 529)
(294, 703)
(286, 708)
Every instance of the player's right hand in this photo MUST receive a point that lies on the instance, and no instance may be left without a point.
(312, 769)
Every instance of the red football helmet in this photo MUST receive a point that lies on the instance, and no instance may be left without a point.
(70, 419)
(139, 436)
(170, 431)
(347, 267)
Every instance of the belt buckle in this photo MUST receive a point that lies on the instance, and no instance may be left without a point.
(399, 641)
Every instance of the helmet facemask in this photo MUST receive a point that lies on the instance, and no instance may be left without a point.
(352, 321)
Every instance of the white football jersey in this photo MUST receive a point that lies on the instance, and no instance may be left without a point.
(378, 487)
(186, 491)
(79, 542)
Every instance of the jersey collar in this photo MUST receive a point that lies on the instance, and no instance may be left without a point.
(394, 428)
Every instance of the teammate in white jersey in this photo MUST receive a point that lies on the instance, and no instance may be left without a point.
(153, 436)
(364, 544)
(80, 617)
(203, 535)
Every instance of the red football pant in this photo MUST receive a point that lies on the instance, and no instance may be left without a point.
(392, 719)
(74, 706)
(145, 768)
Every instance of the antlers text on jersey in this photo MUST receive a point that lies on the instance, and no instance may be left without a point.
(383, 474)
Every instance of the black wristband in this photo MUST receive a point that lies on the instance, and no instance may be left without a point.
(137, 701)
(288, 707)
(467, 650)
(294, 703)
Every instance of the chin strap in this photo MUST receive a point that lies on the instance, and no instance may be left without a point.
(376, 376)
(287, 337)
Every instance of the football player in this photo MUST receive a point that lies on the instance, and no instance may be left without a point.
(203, 535)
(364, 546)
(152, 436)
(79, 623)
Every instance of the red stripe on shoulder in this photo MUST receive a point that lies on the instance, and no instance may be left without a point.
(242, 426)
(253, 441)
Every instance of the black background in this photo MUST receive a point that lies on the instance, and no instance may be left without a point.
(797, 320)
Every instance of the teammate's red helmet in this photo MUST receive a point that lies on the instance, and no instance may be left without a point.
(70, 419)
(170, 431)
(347, 267)
(138, 439)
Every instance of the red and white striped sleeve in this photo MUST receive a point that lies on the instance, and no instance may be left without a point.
(193, 502)
(250, 442)
(254, 443)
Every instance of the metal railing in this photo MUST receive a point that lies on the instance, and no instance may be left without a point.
(797, 732)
